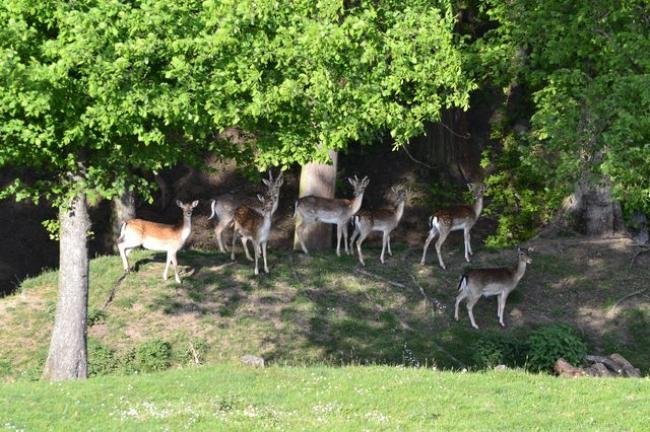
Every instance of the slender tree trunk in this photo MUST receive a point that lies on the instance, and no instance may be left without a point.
(319, 180)
(67, 357)
(123, 210)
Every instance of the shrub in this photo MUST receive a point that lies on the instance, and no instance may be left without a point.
(101, 359)
(150, 356)
(95, 316)
(196, 350)
(548, 343)
(492, 349)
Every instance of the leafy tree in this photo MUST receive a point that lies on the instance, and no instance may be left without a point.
(586, 70)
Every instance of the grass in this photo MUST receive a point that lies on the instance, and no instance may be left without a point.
(318, 309)
(354, 398)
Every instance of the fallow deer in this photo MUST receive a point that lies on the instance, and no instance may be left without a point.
(442, 222)
(157, 237)
(253, 226)
(314, 209)
(384, 220)
(224, 207)
(489, 282)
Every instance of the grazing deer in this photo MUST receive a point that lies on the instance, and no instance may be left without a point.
(455, 218)
(224, 207)
(253, 226)
(384, 220)
(157, 237)
(330, 210)
(491, 281)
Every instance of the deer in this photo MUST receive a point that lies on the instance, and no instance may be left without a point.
(253, 226)
(156, 236)
(314, 209)
(444, 221)
(224, 207)
(384, 220)
(500, 281)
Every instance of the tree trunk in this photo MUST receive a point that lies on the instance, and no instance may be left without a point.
(319, 180)
(123, 210)
(591, 209)
(67, 357)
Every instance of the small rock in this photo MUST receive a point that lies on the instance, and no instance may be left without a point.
(500, 367)
(252, 360)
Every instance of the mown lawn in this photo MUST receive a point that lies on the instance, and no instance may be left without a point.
(373, 398)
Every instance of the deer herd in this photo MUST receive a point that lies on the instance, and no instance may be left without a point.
(251, 219)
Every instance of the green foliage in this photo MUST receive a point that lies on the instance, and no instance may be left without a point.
(95, 316)
(549, 343)
(494, 348)
(101, 359)
(150, 356)
(196, 351)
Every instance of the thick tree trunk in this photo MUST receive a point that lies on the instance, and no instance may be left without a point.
(319, 180)
(592, 210)
(67, 357)
(123, 210)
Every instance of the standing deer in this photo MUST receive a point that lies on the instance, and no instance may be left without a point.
(384, 220)
(157, 237)
(253, 226)
(224, 207)
(330, 210)
(491, 281)
(455, 218)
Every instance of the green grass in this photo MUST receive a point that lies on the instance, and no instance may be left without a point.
(355, 398)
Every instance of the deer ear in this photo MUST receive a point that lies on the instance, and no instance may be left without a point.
(393, 189)
(195, 203)
(178, 203)
(531, 249)
(260, 197)
(266, 182)
(351, 181)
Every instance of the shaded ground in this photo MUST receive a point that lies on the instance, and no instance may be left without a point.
(326, 309)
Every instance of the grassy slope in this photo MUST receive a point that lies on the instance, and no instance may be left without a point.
(320, 398)
(321, 310)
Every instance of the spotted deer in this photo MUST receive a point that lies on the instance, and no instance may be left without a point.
(384, 220)
(314, 209)
(253, 226)
(224, 206)
(486, 282)
(461, 217)
(157, 237)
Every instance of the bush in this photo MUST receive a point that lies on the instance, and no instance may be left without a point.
(95, 316)
(492, 349)
(196, 351)
(101, 359)
(150, 356)
(548, 343)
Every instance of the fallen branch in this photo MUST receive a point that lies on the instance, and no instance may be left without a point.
(381, 278)
(622, 299)
(113, 289)
(195, 354)
(644, 249)
(435, 303)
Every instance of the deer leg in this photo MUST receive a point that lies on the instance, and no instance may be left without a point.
(441, 239)
(469, 242)
(175, 262)
(432, 234)
(355, 234)
(470, 307)
(257, 255)
(345, 239)
(390, 252)
(467, 246)
(218, 231)
(232, 247)
(502, 305)
(167, 265)
(384, 241)
(299, 233)
(125, 262)
(266, 267)
(362, 237)
(244, 240)
(459, 298)
(339, 232)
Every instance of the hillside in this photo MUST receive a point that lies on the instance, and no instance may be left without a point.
(324, 309)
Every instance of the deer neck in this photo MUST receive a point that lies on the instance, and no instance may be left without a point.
(399, 211)
(186, 227)
(520, 270)
(478, 207)
(355, 205)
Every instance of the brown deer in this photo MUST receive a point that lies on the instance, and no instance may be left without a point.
(157, 237)
(486, 282)
(444, 221)
(314, 209)
(384, 220)
(224, 207)
(253, 226)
